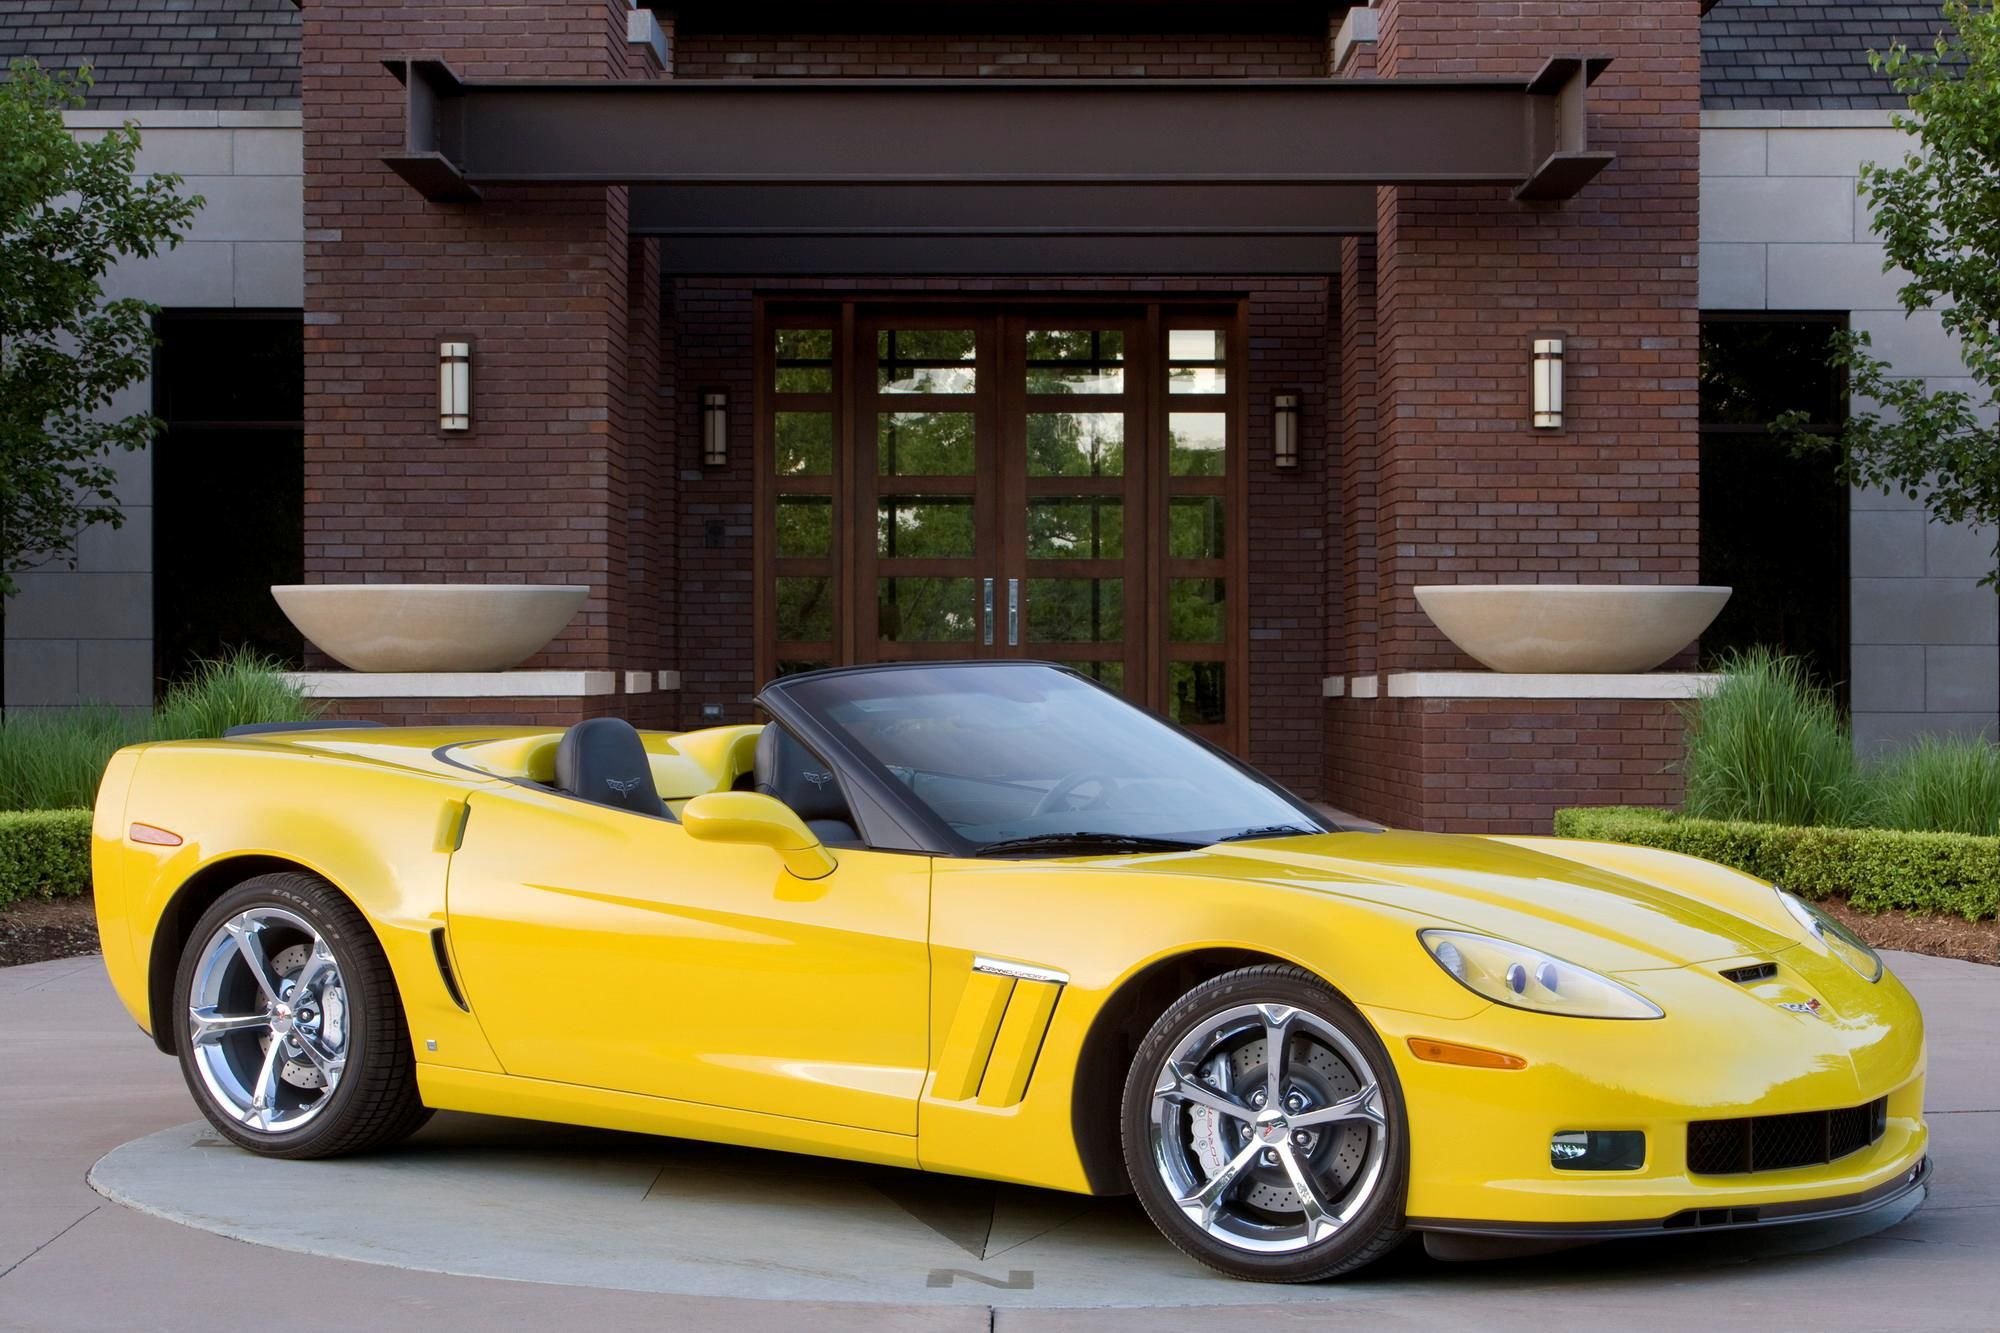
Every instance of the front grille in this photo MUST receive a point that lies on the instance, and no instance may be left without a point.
(1775, 1142)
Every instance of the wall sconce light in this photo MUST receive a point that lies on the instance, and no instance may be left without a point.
(454, 386)
(1548, 379)
(715, 429)
(1285, 430)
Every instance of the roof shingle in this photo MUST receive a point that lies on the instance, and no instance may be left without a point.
(231, 55)
(1803, 54)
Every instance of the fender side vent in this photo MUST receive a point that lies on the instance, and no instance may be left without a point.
(444, 970)
(1743, 976)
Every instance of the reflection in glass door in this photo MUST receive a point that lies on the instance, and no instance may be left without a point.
(1025, 481)
(924, 443)
(1072, 484)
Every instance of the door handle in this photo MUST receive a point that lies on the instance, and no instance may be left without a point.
(1013, 612)
(989, 613)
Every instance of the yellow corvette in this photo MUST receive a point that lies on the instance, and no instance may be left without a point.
(985, 918)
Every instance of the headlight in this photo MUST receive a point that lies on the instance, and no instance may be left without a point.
(1515, 975)
(1841, 942)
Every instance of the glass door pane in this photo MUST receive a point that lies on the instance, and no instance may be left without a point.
(1203, 459)
(924, 486)
(1074, 512)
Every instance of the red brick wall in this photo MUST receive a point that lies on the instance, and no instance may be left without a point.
(1352, 486)
(1468, 278)
(537, 280)
(1291, 339)
(507, 712)
(710, 55)
(1455, 483)
(1499, 765)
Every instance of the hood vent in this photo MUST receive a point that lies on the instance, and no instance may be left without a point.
(1743, 976)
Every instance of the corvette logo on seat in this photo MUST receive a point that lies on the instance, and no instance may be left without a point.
(623, 786)
(1808, 1007)
(819, 780)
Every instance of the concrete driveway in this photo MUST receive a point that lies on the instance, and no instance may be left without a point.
(76, 1081)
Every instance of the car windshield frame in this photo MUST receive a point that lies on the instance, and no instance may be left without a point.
(879, 796)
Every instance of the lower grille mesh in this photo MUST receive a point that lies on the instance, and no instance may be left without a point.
(1775, 1142)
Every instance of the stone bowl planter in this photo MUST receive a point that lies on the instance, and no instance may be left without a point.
(429, 626)
(1582, 628)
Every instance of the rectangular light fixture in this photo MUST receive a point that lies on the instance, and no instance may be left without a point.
(715, 429)
(1285, 430)
(1548, 383)
(454, 386)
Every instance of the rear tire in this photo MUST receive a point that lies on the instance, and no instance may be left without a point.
(290, 1031)
(1289, 1175)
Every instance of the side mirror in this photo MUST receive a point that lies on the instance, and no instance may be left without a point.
(753, 820)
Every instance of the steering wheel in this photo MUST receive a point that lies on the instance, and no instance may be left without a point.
(1057, 797)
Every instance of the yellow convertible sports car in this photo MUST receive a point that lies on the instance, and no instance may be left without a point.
(988, 919)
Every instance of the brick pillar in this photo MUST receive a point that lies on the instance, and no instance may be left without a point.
(1468, 278)
(1360, 460)
(1460, 487)
(539, 280)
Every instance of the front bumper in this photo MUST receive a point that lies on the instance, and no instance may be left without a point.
(1915, 1181)
(1479, 1138)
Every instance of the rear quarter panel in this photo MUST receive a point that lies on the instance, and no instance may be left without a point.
(381, 834)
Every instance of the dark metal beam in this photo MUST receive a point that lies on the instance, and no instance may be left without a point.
(1001, 229)
(929, 132)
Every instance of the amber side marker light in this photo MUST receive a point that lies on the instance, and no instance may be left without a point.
(1451, 1053)
(158, 837)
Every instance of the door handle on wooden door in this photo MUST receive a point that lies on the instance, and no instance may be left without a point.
(989, 613)
(1013, 612)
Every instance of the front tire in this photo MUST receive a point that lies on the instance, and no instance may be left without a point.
(1264, 1130)
(291, 1034)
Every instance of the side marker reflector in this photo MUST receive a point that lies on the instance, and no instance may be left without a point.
(1451, 1053)
(158, 837)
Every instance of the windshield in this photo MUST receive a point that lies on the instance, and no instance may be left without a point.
(1029, 754)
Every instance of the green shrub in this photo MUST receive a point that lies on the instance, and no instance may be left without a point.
(1769, 745)
(241, 688)
(44, 854)
(52, 760)
(1874, 869)
(1950, 784)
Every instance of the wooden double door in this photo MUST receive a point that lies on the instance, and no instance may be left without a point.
(1062, 484)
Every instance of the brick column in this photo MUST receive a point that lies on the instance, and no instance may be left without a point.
(1468, 278)
(540, 281)
(1360, 461)
(1463, 488)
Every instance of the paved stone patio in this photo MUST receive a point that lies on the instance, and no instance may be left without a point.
(690, 1236)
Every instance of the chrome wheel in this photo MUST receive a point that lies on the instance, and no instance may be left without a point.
(1268, 1129)
(268, 1020)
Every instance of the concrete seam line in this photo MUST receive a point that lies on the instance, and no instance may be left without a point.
(50, 1241)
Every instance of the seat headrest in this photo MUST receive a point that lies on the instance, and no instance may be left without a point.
(787, 770)
(603, 760)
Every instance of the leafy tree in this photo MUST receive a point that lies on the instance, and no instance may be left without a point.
(69, 208)
(1938, 213)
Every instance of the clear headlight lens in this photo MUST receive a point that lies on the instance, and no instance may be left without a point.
(1841, 942)
(1515, 975)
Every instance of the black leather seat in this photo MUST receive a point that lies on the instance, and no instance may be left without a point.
(787, 771)
(604, 761)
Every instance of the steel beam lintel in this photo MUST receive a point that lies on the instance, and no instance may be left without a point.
(1133, 134)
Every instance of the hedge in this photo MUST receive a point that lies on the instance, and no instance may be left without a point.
(44, 854)
(1873, 869)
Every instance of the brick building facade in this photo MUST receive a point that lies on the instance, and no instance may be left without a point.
(605, 306)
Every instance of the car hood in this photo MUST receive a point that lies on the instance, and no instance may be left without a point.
(1587, 915)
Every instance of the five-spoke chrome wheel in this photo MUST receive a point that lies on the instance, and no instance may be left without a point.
(1268, 1127)
(268, 1019)
(1263, 1128)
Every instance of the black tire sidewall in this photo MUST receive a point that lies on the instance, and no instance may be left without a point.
(346, 933)
(1372, 1233)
